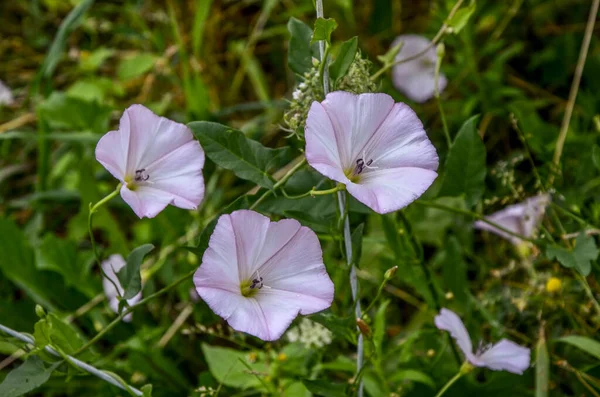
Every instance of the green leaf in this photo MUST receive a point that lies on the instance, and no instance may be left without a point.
(357, 236)
(542, 367)
(584, 343)
(344, 59)
(225, 366)
(596, 156)
(95, 59)
(455, 271)
(580, 257)
(323, 29)
(379, 326)
(300, 50)
(129, 275)
(414, 376)
(341, 327)
(230, 149)
(135, 65)
(325, 388)
(146, 390)
(390, 56)
(26, 377)
(461, 17)
(51, 330)
(465, 167)
(72, 21)
(62, 111)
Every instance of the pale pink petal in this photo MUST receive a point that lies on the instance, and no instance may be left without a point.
(112, 155)
(285, 256)
(387, 190)
(146, 201)
(416, 78)
(507, 356)
(113, 264)
(449, 321)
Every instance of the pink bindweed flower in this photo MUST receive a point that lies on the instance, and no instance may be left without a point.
(259, 275)
(111, 266)
(502, 356)
(376, 147)
(158, 161)
(416, 78)
(522, 218)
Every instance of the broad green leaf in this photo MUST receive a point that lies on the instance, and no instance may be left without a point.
(542, 367)
(230, 149)
(27, 377)
(300, 50)
(323, 29)
(72, 21)
(64, 112)
(584, 343)
(461, 17)
(455, 271)
(135, 65)
(129, 275)
(53, 331)
(414, 376)
(465, 167)
(325, 388)
(93, 60)
(379, 326)
(61, 256)
(225, 366)
(357, 236)
(579, 257)
(344, 59)
(341, 327)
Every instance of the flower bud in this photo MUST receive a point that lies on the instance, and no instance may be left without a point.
(364, 328)
(390, 272)
(39, 311)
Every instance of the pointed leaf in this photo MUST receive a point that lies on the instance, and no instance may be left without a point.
(579, 258)
(584, 343)
(27, 377)
(230, 149)
(129, 275)
(344, 59)
(542, 367)
(461, 17)
(323, 29)
(300, 51)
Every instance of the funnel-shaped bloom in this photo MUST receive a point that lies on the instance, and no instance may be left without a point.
(259, 275)
(6, 96)
(502, 356)
(376, 147)
(416, 78)
(113, 264)
(158, 161)
(522, 218)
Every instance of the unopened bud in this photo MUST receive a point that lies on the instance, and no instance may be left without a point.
(391, 272)
(315, 62)
(39, 311)
(363, 327)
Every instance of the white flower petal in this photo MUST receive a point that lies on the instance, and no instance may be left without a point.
(449, 321)
(507, 356)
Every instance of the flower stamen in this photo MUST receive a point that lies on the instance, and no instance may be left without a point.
(141, 175)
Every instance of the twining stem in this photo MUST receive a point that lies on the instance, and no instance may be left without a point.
(93, 209)
(75, 362)
(342, 201)
(439, 35)
(449, 384)
(475, 216)
(279, 183)
(131, 309)
(564, 128)
(339, 187)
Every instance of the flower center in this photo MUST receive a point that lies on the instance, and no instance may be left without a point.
(482, 348)
(141, 175)
(249, 288)
(359, 168)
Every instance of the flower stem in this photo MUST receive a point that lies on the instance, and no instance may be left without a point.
(93, 209)
(279, 183)
(439, 35)
(449, 384)
(436, 87)
(588, 290)
(339, 187)
(131, 309)
(564, 128)
(75, 362)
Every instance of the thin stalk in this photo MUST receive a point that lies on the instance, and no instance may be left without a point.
(314, 192)
(130, 309)
(449, 384)
(279, 183)
(436, 92)
(75, 362)
(588, 290)
(564, 128)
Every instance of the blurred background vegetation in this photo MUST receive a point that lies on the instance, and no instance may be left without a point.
(74, 66)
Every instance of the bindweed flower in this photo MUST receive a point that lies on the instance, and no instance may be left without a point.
(157, 160)
(502, 356)
(522, 218)
(376, 147)
(111, 266)
(416, 78)
(259, 275)
(6, 95)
